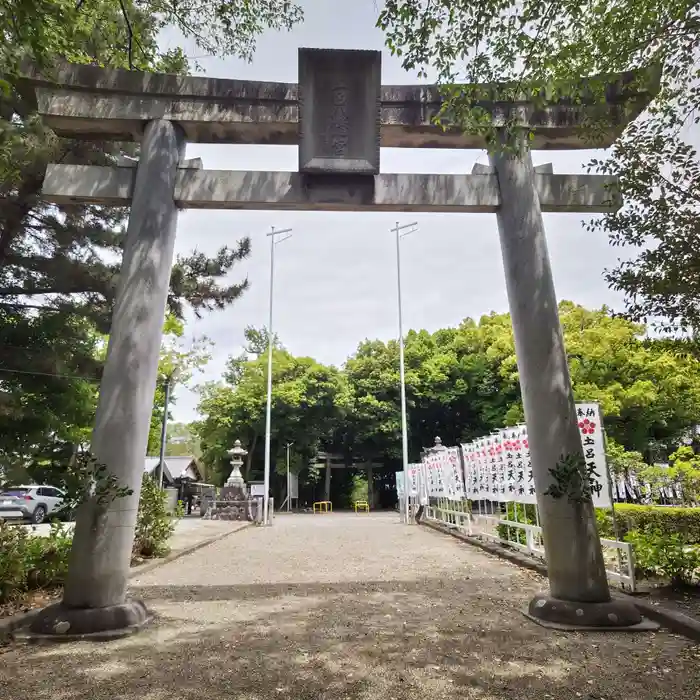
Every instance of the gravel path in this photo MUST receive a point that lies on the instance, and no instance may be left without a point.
(357, 607)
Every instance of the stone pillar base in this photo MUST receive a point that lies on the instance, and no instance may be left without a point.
(60, 623)
(247, 509)
(615, 615)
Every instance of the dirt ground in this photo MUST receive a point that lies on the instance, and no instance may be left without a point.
(357, 607)
(189, 532)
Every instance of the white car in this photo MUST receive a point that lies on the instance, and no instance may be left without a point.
(33, 503)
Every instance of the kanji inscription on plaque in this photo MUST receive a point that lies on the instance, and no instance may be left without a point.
(339, 105)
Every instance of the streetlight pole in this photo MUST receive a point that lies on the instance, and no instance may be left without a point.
(289, 481)
(400, 232)
(164, 430)
(268, 410)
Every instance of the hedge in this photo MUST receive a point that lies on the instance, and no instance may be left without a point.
(666, 519)
(29, 562)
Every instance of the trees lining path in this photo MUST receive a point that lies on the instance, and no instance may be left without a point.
(350, 606)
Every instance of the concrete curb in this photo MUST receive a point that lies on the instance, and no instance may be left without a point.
(145, 568)
(10, 624)
(676, 622)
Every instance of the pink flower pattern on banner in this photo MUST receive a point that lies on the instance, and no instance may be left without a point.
(587, 426)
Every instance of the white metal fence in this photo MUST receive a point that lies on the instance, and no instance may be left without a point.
(510, 529)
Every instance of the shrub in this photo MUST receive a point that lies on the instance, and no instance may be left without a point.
(360, 489)
(154, 525)
(13, 565)
(603, 518)
(664, 519)
(685, 471)
(48, 557)
(665, 555)
(28, 562)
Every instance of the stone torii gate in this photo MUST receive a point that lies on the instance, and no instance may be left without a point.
(339, 115)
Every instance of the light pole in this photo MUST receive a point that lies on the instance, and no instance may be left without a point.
(164, 427)
(289, 481)
(400, 232)
(268, 410)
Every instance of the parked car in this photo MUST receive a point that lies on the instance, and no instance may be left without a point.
(33, 503)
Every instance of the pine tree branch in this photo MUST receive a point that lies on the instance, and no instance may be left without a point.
(130, 34)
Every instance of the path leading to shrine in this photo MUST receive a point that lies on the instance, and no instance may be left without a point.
(349, 606)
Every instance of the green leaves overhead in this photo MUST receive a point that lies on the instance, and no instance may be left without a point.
(127, 30)
(543, 49)
(59, 265)
(224, 27)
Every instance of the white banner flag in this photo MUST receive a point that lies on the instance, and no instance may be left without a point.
(593, 443)
(498, 467)
(445, 472)
(516, 477)
(493, 468)
(423, 484)
(471, 476)
(399, 484)
(483, 467)
(436, 478)
(413, 480)
(455, 484)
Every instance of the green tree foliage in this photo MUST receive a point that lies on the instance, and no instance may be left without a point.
(685, 472)
(542, 49)
(182, 440)
(59, 265)
(307, 400)
(40, 30)
(256, 342)
(46, 406)
(649, 391)
(179, 361)
(460, 383)
(623, 462)
(154, 524)
(463, 382)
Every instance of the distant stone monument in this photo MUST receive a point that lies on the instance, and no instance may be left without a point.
(339, 115)
(234, 502)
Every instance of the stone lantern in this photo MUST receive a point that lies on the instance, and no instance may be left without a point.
(235, 479)
(437, 447)
(233, 502)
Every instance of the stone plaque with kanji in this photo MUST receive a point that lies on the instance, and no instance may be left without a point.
(339, 111)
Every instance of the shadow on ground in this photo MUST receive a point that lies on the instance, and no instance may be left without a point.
(427, 639)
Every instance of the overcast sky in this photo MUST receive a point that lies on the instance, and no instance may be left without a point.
(335, 279)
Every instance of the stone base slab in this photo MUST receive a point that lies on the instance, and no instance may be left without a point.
(615, 614)
(58, 622)
(246, 510)
(643, 626)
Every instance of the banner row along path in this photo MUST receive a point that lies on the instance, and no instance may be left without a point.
(349, 606)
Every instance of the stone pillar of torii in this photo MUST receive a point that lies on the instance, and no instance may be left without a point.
(339, 115)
